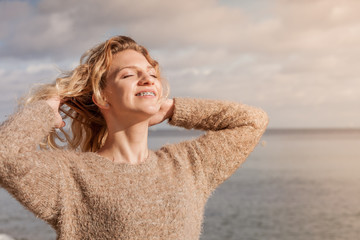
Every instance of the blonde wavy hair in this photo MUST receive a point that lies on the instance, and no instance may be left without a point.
(75, 88)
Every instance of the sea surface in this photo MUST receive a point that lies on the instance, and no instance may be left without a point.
(296, 185)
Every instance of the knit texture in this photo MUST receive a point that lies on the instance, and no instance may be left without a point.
(86, 196)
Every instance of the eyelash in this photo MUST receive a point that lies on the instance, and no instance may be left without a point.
(126, 76)
(130, 75)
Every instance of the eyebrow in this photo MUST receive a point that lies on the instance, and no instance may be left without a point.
(132, 67)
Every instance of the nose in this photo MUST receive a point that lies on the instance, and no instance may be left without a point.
(146, 79)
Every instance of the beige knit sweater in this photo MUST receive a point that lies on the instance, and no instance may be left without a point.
(86, 196)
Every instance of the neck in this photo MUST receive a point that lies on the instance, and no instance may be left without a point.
(126, 145)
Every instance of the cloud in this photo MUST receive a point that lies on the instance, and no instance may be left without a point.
(17, 83)
(293, 58)
(37, 68)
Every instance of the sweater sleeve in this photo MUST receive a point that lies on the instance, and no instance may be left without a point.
(233, 131)
(30, 175)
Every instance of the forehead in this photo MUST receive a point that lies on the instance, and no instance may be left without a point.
(129, 58)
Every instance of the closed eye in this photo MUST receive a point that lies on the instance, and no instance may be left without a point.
(126, 76)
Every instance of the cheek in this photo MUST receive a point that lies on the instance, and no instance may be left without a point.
(123, 89)
(160, 89)
(115, 94)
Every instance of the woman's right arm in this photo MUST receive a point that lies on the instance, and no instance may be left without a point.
(30, 175)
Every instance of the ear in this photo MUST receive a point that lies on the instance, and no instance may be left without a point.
(101, 103)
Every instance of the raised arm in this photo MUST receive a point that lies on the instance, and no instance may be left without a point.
(233, 130)
(30, 175)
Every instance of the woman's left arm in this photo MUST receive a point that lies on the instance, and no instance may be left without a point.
(233, 131)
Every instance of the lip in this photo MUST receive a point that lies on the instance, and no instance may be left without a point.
(147, 90)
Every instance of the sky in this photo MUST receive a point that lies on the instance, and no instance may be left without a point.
(298, 60)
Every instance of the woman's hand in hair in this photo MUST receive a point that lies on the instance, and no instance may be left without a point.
(165, 112)
(54, 103)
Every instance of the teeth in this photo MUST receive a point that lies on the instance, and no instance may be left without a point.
(146, 94)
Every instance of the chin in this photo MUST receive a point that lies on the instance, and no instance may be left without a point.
(151, 110)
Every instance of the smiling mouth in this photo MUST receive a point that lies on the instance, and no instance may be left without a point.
(145, 94)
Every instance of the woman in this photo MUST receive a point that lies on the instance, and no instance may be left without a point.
(114, 187)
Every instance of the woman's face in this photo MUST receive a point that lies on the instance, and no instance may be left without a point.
(132, 86)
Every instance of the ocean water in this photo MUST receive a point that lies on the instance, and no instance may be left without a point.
(295, 185)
